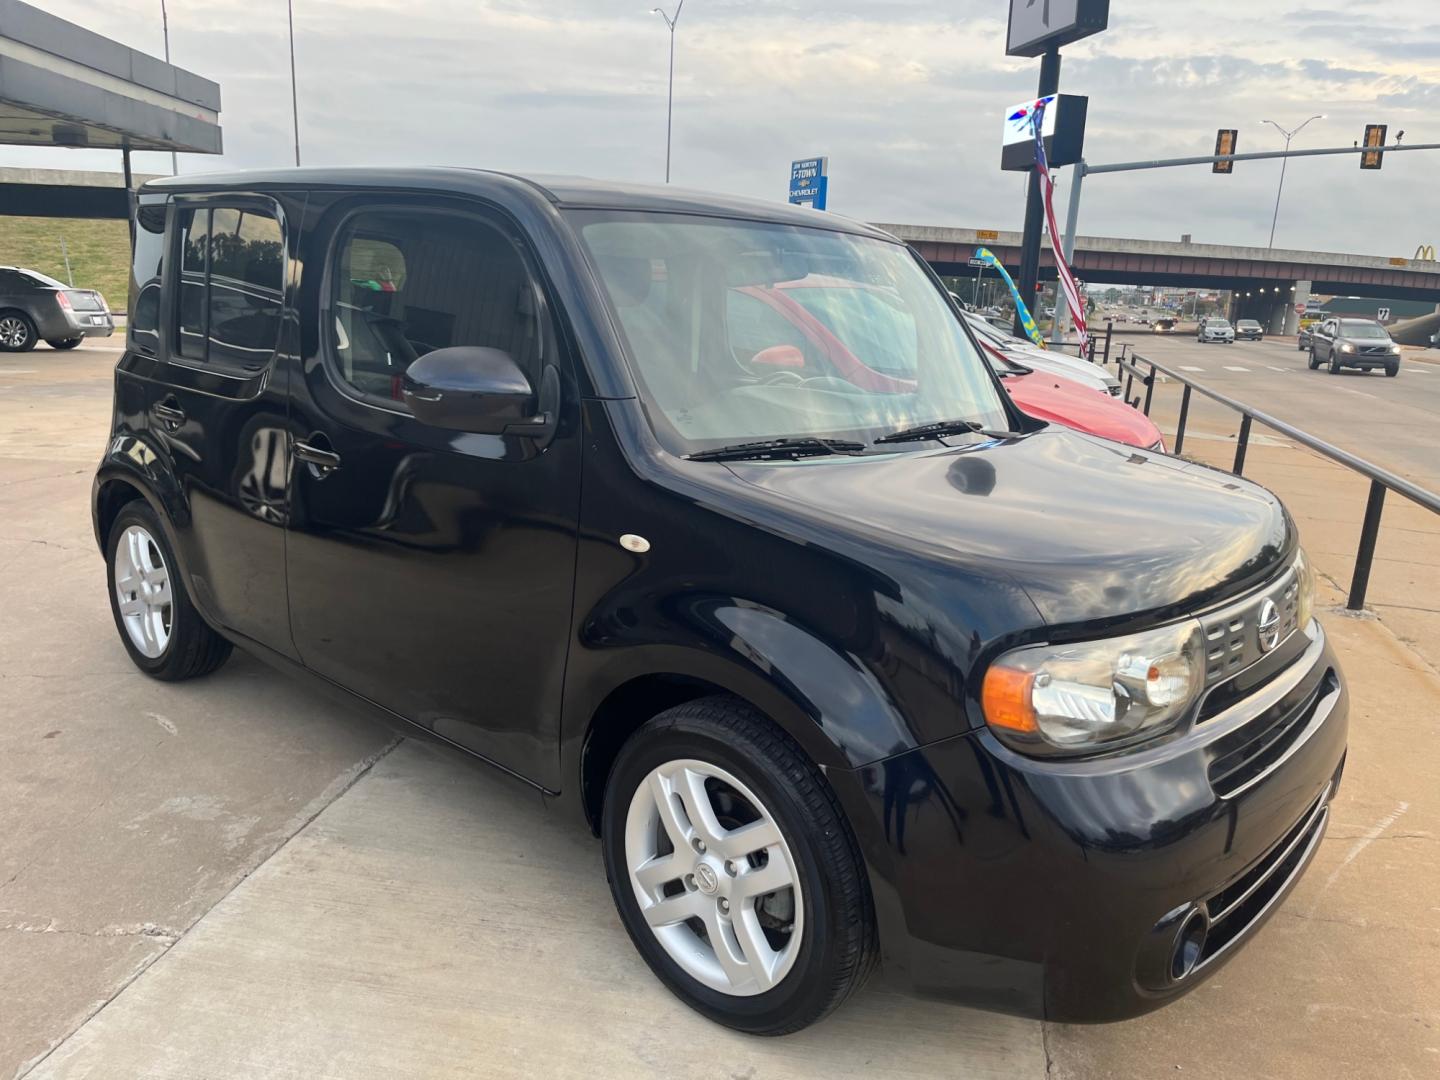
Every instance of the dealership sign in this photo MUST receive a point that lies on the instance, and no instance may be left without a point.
(1037, 26)
(810, 182)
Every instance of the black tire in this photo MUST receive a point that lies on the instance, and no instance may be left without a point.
(25, 335)
(193, 648)
(1314, 360)
(839, 947)
(1392, 370)
(1334, 363)
(65, 343)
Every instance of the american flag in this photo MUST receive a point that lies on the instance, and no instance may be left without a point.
(1047, 187)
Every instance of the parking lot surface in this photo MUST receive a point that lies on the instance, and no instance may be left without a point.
(236, 878)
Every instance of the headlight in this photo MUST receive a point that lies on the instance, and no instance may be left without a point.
(1059, 699)
(1347, 348)
(1305, 591)
(1395, 350)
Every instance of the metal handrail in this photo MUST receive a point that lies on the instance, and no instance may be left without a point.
(1381, 480)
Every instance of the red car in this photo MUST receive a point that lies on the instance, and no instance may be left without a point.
(1060, 401)
(1045, 397)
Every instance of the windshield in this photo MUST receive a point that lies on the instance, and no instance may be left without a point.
(1247, 323)
(1216, 324)
(1363, 330)
(741, 330)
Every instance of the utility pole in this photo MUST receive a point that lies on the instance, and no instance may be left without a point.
(1283, 163)
(670, 22)
(165, 28)
(294, 97)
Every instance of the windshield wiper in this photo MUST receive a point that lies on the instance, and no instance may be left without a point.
(770, 449)
(943, 427)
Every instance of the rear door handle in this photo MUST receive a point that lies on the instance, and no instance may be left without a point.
(323, 460)
(169, 413)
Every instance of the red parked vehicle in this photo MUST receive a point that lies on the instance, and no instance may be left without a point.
(804, 343)
(1050, 397)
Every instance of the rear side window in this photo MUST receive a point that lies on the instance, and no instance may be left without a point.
(405, 282)
(231, 286)
(12, 281)
(145, 271)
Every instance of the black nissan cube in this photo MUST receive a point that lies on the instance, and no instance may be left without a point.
(705, 519)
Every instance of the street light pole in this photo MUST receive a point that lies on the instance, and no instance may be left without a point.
(165, 28)
(1284, 162)
(670, 22)
(294, 97)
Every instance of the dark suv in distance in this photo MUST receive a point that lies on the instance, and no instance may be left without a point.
(845, 666)
(34, 308)
(1358, 343)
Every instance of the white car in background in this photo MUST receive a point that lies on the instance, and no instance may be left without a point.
(1044, 360)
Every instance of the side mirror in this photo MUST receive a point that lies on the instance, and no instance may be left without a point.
(468, 388)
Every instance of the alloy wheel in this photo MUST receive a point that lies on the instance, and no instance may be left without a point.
(714, 877)
(13, 332)
(142, 587)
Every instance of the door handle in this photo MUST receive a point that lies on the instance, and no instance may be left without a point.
(169, 413)
(323, 461)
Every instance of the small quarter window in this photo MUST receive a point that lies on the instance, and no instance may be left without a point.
(232, 284)
(405, 282)
(145, 271)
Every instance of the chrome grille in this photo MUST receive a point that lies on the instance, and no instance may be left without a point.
(1232, 634)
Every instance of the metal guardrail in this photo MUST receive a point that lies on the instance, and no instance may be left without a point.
(1381, 480)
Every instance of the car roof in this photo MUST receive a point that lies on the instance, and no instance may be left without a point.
(569, 192)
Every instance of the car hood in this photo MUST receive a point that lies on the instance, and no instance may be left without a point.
(1047, 397)
(1095, 533)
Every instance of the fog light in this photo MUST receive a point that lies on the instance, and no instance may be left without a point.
(1189, 945)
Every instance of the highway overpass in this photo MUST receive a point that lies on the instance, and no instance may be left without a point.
(1287, 277)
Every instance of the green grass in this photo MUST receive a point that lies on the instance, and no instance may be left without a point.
(99, 252)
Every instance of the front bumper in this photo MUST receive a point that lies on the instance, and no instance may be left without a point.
(1061, 889)
(1359, 360)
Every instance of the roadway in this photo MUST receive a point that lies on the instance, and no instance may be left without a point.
(1391, 422)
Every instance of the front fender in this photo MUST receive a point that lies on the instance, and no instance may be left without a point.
(826, 699)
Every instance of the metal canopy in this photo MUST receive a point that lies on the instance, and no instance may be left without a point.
(62, 85)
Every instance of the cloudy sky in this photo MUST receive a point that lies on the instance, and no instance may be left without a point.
(905, 96)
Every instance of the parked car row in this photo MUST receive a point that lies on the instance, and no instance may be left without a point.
(34, 307)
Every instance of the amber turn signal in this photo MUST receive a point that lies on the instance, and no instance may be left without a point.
(1005, 697)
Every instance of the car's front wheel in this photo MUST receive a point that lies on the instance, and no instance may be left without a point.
(64, 343)
(734, 870)
(1334, 363)
(159, 626)
(1391, 370)
(1314, 360)
(17, 332)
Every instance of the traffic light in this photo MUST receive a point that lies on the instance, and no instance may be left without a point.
(1374, 136)
(1225, 142)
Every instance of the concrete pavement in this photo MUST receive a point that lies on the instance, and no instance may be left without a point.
(214, 880)
(129, 807)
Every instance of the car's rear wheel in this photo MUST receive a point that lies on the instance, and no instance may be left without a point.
(64, 343)
(159, 626)
(17, 332)
(734, 870)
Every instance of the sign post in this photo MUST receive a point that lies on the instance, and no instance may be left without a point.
(1040, 28)
(810, 182)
